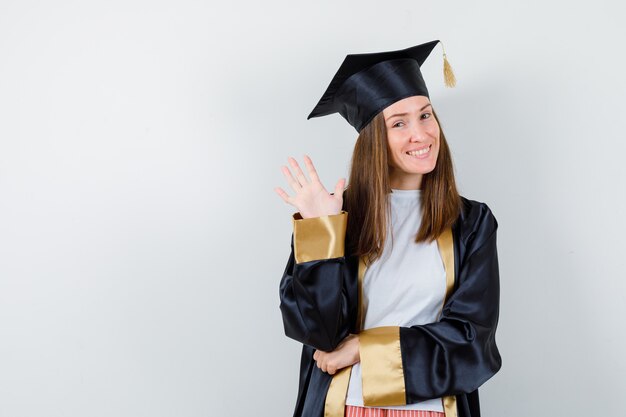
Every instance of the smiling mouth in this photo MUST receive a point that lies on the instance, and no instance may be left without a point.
(420, 153)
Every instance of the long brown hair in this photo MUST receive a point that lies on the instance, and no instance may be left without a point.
(366, 197)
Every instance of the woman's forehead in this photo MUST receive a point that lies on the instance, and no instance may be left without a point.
(408, 104)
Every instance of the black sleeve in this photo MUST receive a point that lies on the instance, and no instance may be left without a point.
(458, 353)
(313, 293)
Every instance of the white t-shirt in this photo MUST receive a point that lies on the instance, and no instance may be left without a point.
(406, 286)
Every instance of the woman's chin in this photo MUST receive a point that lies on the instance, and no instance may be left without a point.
(423, 168)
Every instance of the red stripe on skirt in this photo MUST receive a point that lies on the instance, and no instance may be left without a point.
(356, 411)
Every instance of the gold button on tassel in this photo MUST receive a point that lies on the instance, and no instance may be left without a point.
(448, 75)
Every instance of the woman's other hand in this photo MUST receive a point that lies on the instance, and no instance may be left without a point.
(311, 198)
(346, 354)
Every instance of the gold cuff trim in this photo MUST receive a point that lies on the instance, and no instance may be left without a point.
(381, 367)
(336, 396)
(318, 238)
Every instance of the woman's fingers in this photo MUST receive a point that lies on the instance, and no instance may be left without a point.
(305, 191)
(325, 362)
(299, 174)
(319, 357)
(339, 187)
(311, 169)
(321, 363)
(282, 194)
(295, 185)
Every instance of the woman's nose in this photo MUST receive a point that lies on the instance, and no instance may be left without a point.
(418, 133)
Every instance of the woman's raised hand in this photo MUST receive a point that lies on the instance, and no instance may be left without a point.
(311, 198)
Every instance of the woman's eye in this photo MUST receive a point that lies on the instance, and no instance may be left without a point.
(398, 124)
(426, 114)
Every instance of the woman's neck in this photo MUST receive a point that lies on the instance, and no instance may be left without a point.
(406, 182)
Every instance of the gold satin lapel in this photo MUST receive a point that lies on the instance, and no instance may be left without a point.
(446, 250)
(336, 396)
(361, 273)
(335, 404)
(449, 406)
(445, 243)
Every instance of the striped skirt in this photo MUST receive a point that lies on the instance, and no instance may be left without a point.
(356, 411)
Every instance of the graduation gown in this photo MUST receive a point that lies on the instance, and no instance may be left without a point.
(320, 293)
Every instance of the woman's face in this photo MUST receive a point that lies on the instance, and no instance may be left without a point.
(412, 141)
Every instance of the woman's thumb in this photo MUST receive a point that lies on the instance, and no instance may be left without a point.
(339, 187)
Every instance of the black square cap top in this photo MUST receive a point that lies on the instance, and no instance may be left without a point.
(365, 84)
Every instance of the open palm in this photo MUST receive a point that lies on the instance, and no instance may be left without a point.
(311, 198)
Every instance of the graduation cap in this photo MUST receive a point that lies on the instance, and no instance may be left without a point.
(365, 84)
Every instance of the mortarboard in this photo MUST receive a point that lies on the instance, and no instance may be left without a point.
(367, 83)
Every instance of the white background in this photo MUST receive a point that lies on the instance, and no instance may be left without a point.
(141, 242)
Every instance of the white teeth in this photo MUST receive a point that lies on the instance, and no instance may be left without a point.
(420, 152)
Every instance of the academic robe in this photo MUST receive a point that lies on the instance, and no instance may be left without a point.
(450, 358)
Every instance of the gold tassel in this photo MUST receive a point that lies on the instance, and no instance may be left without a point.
(448, 75)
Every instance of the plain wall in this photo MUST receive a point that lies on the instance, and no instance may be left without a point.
(141, 241)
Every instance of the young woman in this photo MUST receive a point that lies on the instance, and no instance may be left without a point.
(392, 284)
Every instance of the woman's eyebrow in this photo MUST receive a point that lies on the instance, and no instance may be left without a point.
(397, 114)
(404, 114)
